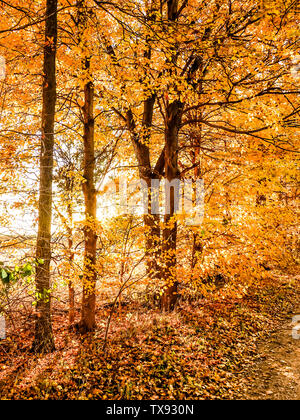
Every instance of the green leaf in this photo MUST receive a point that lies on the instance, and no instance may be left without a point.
(5, 276)
(27, 270)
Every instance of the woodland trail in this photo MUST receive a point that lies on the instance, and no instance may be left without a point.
(276, 373)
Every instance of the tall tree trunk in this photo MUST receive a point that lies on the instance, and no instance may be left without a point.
(173, 121)
(69, 188)
(152, 217)
(71, 284)
(172, 124)
(44, 341)
(140, 141)
(88, 316)
(70, 269)
(88, 309)
(148, 175)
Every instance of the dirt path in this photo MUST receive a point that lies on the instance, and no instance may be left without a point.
(276, 374)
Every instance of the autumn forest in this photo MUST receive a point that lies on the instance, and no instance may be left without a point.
(149, 199)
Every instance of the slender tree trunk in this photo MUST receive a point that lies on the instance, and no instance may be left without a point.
(142, 152)
(70, 280)
(68, 222)
(88, 309)
(70, 189)
(172, 124)
(140, 142)
(151, 219)
(44, 341)
(88, 315)
(170, 295)
(173, 119)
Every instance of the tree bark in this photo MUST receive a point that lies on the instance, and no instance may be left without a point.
(69, 189)
(44, 341)
(147, 174)
(88, 308)
(70, 281)
(140, 141)
(173, 121)
(88, 313)
(172, 125)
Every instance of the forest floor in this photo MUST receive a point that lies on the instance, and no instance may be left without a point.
(213, 347)
(275, 374)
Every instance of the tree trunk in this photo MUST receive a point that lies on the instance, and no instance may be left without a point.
(70, 281)
(88, 315)
(140, 142)
(151, 220)
(172, 124)
(88, 306)
(44, 342)
(173, 121)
